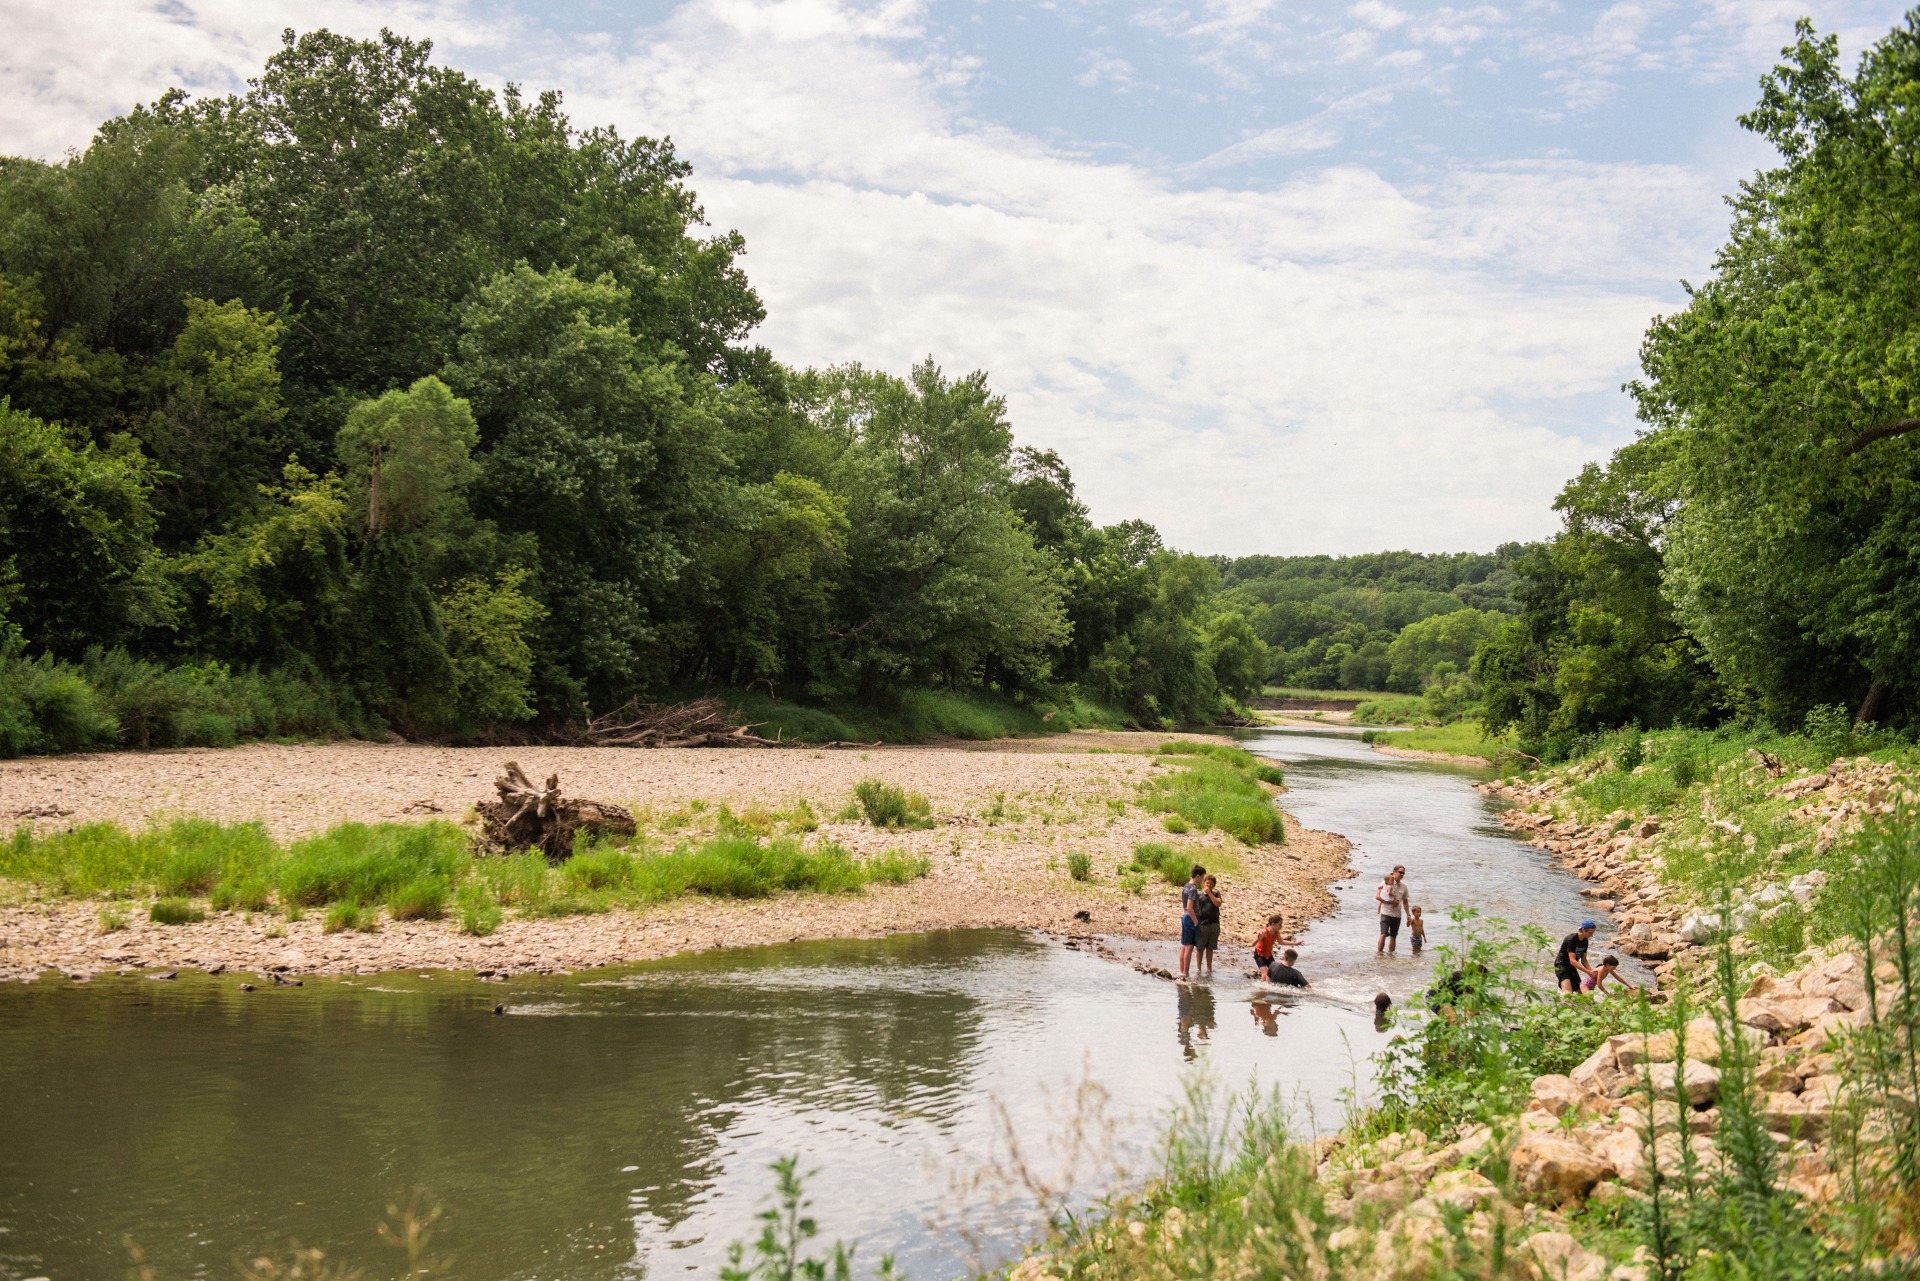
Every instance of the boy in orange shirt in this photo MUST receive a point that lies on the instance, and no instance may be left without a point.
(1267, 941)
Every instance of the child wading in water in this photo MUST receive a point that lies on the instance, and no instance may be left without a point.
(1268, 941)
(1416, 930)
(1206, 908)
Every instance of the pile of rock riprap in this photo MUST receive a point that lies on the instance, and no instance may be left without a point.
(1621, 853)
(1584, 1135)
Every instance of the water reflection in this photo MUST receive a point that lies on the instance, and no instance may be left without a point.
(1196, 1015)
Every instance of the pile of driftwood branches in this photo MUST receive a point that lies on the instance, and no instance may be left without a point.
(704, 722)
(527, 817)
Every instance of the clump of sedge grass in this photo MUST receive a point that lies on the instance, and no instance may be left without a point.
(476, 910)
(1157, 858)
(888, 806)
(174, 911)
(422, 899)
(897, 867)
(364, 863)
(1080, 865)
(345, 914)
(113, 917)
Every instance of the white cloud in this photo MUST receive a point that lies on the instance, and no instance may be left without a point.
(1238, 365)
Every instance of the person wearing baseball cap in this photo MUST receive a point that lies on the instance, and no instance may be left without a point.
(1570, 961)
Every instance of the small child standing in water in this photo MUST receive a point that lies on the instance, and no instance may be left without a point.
(1416, 930)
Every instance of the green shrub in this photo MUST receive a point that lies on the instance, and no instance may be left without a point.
(1176, 825)
(345, 914)
(475, 909)
(174, 911)
(1080, 865)
(887, 806)
(897, 867)
(599, 868)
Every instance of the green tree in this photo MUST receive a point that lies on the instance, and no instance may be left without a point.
(217, 430)
(407, 455)
(1788, 395)
(77, 562)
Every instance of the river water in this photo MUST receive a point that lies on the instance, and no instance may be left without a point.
(621, 1123)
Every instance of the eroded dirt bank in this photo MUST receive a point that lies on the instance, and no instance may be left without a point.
(1007, 815)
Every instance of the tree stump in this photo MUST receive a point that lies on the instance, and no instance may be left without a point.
(527, 817)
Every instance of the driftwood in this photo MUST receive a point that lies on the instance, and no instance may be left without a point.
(704, 722)
(528, 817)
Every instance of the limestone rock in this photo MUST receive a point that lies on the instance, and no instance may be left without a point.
(1558, 1257)
(1785, 1014)
(1555, 1167)
(1558, 1095)
(1700, 1082)
(1462, 1190)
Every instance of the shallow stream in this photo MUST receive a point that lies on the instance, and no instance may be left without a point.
(620, 1123)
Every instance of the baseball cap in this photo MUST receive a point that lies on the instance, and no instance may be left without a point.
(1588, 925)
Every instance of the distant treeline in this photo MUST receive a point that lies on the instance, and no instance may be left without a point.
(1381, 621)
(370, 398)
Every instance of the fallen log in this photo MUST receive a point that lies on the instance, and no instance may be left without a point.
(704, 722)
(528, 817)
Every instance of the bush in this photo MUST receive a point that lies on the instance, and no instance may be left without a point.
(1176, 825)
(475, 909)
(1080, 866)
(174, 911)
(47, 706)
(887, 806)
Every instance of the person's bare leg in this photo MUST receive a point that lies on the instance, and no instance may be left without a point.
(1186, 958)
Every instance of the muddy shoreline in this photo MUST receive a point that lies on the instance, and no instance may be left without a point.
(1007, 814)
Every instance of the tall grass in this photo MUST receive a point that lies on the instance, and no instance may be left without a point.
(424, 871)
(887, 806)
(1223, 787)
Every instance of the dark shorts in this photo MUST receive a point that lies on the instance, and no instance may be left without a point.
(1566, 974)
(1188, 931)
(1261, 962)
(1390, 926)
(1210, 935)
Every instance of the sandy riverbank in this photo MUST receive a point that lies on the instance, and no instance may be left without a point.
(1007, 815)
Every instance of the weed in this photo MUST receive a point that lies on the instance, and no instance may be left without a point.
(113, 917)
(1080, 866)
(365, 863)
(1176, 825)
(599, 868)
(175, 911)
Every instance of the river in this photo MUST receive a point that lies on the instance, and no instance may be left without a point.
(621, 1123)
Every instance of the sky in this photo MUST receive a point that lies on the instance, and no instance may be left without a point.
(1282, 276)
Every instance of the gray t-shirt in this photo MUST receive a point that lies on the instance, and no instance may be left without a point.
(1393, 899)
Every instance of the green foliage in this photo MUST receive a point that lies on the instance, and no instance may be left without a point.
(407, 455)
(77, 565)
(779, 1253)
(424, 898)
(113, 918)
(175, 911)
(888, 806)
(1488, 1027)
(1080, 865)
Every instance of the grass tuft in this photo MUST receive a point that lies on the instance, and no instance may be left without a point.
(887, 806)
(175, 911)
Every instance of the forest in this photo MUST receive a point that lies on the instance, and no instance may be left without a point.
(371, 401)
